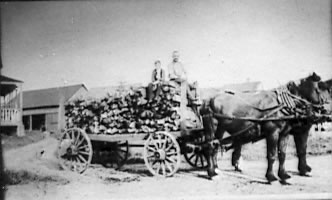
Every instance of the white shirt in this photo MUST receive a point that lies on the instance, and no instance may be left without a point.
(176, 70)
(158, 74)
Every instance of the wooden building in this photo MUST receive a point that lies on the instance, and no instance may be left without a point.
(45, 107)
(11, 101)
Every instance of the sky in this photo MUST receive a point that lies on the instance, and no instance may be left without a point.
(102, 43)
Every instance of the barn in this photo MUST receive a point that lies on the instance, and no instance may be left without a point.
(45, 107)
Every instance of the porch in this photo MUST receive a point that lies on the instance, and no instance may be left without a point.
(9, 116)
(11, 104)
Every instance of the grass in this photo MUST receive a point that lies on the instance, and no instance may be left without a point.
(12, 141)
(14, 177)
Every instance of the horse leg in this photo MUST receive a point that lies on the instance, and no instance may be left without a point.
(282, 146)
(301, 140)
(209, 154)
(272, 141)
(236, 156)
(219, 134)
(208, 147)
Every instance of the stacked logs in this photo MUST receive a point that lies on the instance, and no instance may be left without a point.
(130, 113)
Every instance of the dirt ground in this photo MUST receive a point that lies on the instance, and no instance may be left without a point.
(34, 173)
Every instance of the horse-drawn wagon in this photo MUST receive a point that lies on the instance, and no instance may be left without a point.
(252, 117)
(162, 150)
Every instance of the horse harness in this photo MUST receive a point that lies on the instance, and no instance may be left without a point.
(291, 106)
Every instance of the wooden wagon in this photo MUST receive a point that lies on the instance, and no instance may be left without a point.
(162, 150)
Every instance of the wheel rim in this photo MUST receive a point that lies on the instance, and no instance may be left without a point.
(196, 158)
(75, 150)
(162, 154)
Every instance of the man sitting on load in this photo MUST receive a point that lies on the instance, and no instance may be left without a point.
(158, 77)
(178, 74)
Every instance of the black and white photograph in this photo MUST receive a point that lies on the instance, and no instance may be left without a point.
(156, 99)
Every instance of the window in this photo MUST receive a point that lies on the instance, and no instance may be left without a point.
(38, 121)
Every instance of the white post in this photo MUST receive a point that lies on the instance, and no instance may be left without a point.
(61, 111)
(30, 122)
(20, 126)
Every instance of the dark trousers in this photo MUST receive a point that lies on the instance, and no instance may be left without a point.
(151, 88)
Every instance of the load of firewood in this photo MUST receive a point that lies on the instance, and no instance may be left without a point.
(130, 113)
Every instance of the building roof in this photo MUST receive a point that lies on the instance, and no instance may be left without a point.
(9, 86)
(8, 79)
(49, 97)
(242, 87)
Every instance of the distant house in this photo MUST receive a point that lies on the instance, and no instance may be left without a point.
(11, 104)
(45, 107)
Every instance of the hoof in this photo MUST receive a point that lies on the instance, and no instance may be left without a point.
(305, 174)
(271, 178)
(284, 176)
(212, 174)
(237, 169)
(308, 168)
(215, 178)
(284, 182)
(217, 171)
(305, 171)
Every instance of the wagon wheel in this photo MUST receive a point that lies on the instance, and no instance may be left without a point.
(75, 150)
(162, 154)
(196, 157)
(116, 155)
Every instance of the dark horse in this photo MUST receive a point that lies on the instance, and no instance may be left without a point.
(300, 130)
(243, 116)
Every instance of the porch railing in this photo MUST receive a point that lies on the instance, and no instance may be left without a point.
(9, 115)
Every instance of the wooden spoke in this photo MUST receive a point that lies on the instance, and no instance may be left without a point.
(171, 153)
(191, 156)
(83, 152)
(168, 166)
(202, 161)
(169, 147)
(163, 168)
(151, 149)
(150, 156)
(72, 134)
(196, 160)
(77, 140)
(83, 147)
(80, 142)
(82, 159)
(171, 160)
(158, 168)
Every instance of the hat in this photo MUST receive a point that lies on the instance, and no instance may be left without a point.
(175, 54)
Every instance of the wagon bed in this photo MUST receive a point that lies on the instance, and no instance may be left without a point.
(161, 150)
